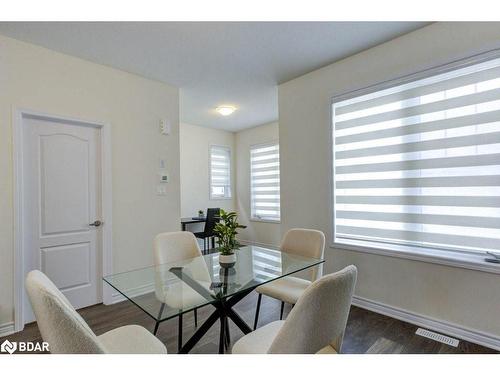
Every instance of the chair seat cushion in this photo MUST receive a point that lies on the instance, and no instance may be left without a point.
(287, 289)
(132, 339)
(258, 341)
(180, 295)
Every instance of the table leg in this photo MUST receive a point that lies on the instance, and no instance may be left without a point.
(245, 328)
(200, 332)
(223, 311)
(222, 336)
(228, 334)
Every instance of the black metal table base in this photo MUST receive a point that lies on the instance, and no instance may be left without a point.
(223, 312)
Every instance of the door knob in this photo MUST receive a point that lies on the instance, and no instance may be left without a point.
(96, 223)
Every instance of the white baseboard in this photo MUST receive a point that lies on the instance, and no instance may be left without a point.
(133, 292)
(115, 298)
(7, 329)
(447, 328)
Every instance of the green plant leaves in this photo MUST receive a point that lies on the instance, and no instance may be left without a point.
(225, 231)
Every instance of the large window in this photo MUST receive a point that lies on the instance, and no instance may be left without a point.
(220, 172)
(419, 163)
(265, 182)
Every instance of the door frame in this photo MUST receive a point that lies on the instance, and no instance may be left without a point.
(106, 267)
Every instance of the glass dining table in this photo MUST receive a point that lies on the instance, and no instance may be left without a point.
(169, 290)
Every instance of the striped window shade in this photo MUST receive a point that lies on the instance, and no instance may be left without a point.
(419, 163)
(265, 181)
(220, 172)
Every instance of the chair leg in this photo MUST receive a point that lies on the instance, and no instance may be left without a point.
(179, 336)
(195, 317)
(157, 325)
(204, 245)
(281, 311)
(156, 328)
(257, 312)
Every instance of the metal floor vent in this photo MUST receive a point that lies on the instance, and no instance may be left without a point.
(437, 337)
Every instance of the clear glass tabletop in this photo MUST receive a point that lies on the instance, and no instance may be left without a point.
(170, 289)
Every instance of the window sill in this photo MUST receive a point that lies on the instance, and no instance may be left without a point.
(220, 198)
(470, 261)
(265, 221)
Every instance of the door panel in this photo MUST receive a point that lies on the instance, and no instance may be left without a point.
(68, 265)
(64, 184)
(61, 165)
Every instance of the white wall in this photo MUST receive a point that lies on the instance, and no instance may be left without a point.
(195, 142)
(39, 79)
(465, 298)
(194, 161)
(258, 232)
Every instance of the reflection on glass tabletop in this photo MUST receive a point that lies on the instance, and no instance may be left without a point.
(188, 284)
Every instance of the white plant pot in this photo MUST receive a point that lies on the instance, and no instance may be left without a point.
(227, 260)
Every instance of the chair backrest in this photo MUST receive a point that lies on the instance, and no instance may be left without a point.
(319, 317)
(305, 242)
(174, 246)
(212, 218)
(59, 323)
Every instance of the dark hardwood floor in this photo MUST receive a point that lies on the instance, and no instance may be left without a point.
(367, 332)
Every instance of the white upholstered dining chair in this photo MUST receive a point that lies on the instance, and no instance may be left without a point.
(298, 241)
(315, 325)
(177, 247)
(67, 333)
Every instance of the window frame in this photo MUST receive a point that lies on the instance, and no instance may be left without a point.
(254, 146)
(210, 195)
(456, 258)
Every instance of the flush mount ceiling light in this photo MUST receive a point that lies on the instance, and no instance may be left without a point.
(225, 110)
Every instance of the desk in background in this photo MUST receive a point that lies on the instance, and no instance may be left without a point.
(191, 220)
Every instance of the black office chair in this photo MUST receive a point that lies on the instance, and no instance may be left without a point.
(208, 232)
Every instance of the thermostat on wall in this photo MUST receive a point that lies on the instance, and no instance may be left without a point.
(163, 177)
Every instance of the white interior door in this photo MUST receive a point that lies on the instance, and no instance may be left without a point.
(61, 165)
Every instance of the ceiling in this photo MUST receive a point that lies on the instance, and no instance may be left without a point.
(213, 63)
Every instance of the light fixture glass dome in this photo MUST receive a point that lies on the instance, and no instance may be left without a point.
(225, 110)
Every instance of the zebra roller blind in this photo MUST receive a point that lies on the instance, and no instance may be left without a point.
(220, 172)
(419, 163)
(265, 181)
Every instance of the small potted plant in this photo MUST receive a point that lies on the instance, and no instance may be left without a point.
(200, 213)
(225, 231)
